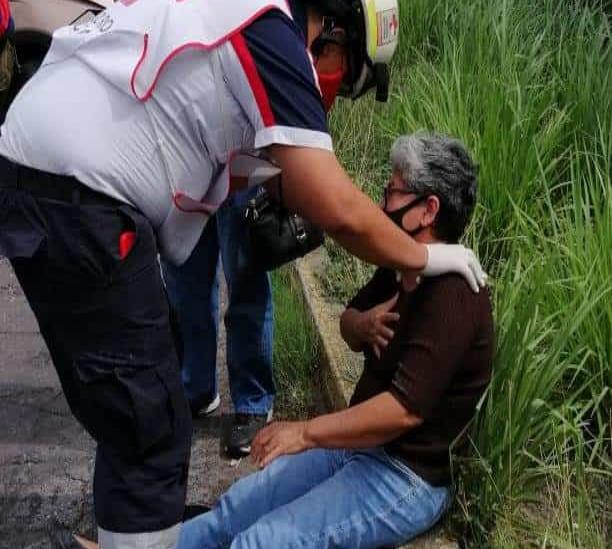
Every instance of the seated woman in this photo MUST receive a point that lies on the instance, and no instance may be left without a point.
(378, 472)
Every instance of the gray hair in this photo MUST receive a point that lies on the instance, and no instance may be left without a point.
(439, 165)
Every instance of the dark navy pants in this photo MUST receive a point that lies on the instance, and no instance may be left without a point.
(106, 323)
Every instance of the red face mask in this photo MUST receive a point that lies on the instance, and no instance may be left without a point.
(330, 83)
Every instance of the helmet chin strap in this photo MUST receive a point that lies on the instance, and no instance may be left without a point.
(326, 36)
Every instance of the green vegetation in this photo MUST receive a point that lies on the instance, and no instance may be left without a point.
(527, 86)
(295, 349)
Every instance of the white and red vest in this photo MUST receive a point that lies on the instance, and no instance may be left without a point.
(132, 41)
(131, 44)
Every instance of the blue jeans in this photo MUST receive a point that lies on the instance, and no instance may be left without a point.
(321, 499)
(193, 290)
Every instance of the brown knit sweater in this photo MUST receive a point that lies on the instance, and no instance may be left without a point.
(437, 365)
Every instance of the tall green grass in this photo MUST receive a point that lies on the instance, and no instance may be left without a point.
(527, 86)
(295, 350)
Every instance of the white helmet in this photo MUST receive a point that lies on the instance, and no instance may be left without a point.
(372, 32)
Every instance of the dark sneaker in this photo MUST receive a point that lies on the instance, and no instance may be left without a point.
(204, 405)
(194, 510)
(243, 429)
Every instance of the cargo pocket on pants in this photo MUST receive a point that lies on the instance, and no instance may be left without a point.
(124, 407)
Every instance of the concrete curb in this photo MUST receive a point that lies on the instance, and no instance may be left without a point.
(340, 368)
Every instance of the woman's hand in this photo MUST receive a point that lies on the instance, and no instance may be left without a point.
(371, 327)
(277, 439)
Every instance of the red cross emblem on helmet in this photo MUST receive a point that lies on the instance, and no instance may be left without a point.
(394, 24)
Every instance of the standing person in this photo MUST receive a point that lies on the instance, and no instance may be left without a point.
(249, 319)
(119, 149)
(193, 290)
(193, 286)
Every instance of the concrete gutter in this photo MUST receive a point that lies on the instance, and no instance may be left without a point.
(340, 367)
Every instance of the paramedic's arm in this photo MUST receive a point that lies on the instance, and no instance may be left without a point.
(317, 187)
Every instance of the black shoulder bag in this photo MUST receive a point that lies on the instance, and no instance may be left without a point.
(277, 236)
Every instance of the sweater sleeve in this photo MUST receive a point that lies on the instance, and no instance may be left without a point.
(284, 104)
(435, 337)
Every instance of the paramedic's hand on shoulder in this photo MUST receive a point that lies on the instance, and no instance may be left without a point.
(290, 124)
(444, 258)
(317, 187)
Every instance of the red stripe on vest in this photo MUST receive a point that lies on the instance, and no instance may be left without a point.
(250, 69)
(5, 15)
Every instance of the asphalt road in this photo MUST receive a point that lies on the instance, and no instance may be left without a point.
(46, 458)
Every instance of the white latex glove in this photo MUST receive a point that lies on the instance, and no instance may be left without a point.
(455, 258)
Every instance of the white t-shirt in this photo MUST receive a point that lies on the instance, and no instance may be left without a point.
(70, 119)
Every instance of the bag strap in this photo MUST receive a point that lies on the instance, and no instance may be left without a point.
(280, 191)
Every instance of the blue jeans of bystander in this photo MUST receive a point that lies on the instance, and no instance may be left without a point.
(194, 292)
